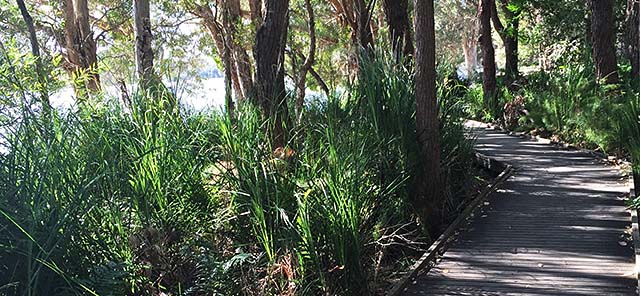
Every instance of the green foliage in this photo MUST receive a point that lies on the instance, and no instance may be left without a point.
(567, 103)
(474, 104)
(629, 126)
(18, 84)
(144, 199)
(557, 46)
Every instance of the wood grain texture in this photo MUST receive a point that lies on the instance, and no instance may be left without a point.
(555, 229)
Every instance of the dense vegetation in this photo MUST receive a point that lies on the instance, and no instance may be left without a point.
(330, 185)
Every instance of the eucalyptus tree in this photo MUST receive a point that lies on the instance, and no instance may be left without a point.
(364, 35)
(315, 38)
(224, 22)
(143, 38)
(80, 43)
(356, 15)
(429, 182)
(457, 32)
(35, 51)
(603, 34)
(270, 65)
(488, 56)
(508, 33)
(210, 18)
(238, 56)
(309, 60)
(633, 37)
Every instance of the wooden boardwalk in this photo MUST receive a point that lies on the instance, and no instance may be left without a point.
(554, 229)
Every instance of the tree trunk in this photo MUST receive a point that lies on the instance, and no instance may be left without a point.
(227, 59)
(488, 58)
(470, 49)
(144, 52)
(70, 35)
(88, 56)
(363, 29)
(397, 17)
(364, 35)
(511, 42)
(228, 98)
(603, 38)
(240, 58)
(35, 51)
(206, 14)
(633, 37)
(33, 39)
(429, 184)
(509, 36)
(308, 62)
(356, 15)
(80, 43)
(323, 85)
(255, 10)
(269, 56)
(241, 76)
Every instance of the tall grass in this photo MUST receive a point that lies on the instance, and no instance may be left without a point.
(629, 125)
(148, 199)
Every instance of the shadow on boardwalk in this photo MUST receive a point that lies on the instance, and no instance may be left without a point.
(554, 229)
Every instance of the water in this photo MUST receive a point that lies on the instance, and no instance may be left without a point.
(209, 94)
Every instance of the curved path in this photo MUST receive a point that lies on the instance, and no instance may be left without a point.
(554, 229)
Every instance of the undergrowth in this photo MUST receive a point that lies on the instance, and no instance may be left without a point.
(149, 199)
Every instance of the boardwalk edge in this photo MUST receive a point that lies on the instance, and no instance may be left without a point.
(430, 255)
(635, 233)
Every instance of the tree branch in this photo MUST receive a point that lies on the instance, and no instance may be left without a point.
(497, 24)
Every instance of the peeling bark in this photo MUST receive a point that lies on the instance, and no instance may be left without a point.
(80, 43)
(143, 37)
(226, 35)
(239, 57)
(356, 14)
(363, 25)
(209, 20)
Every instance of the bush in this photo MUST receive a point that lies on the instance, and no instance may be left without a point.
(149, 199)
(629, 125)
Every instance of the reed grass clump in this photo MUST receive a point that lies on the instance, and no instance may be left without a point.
(146, 198)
